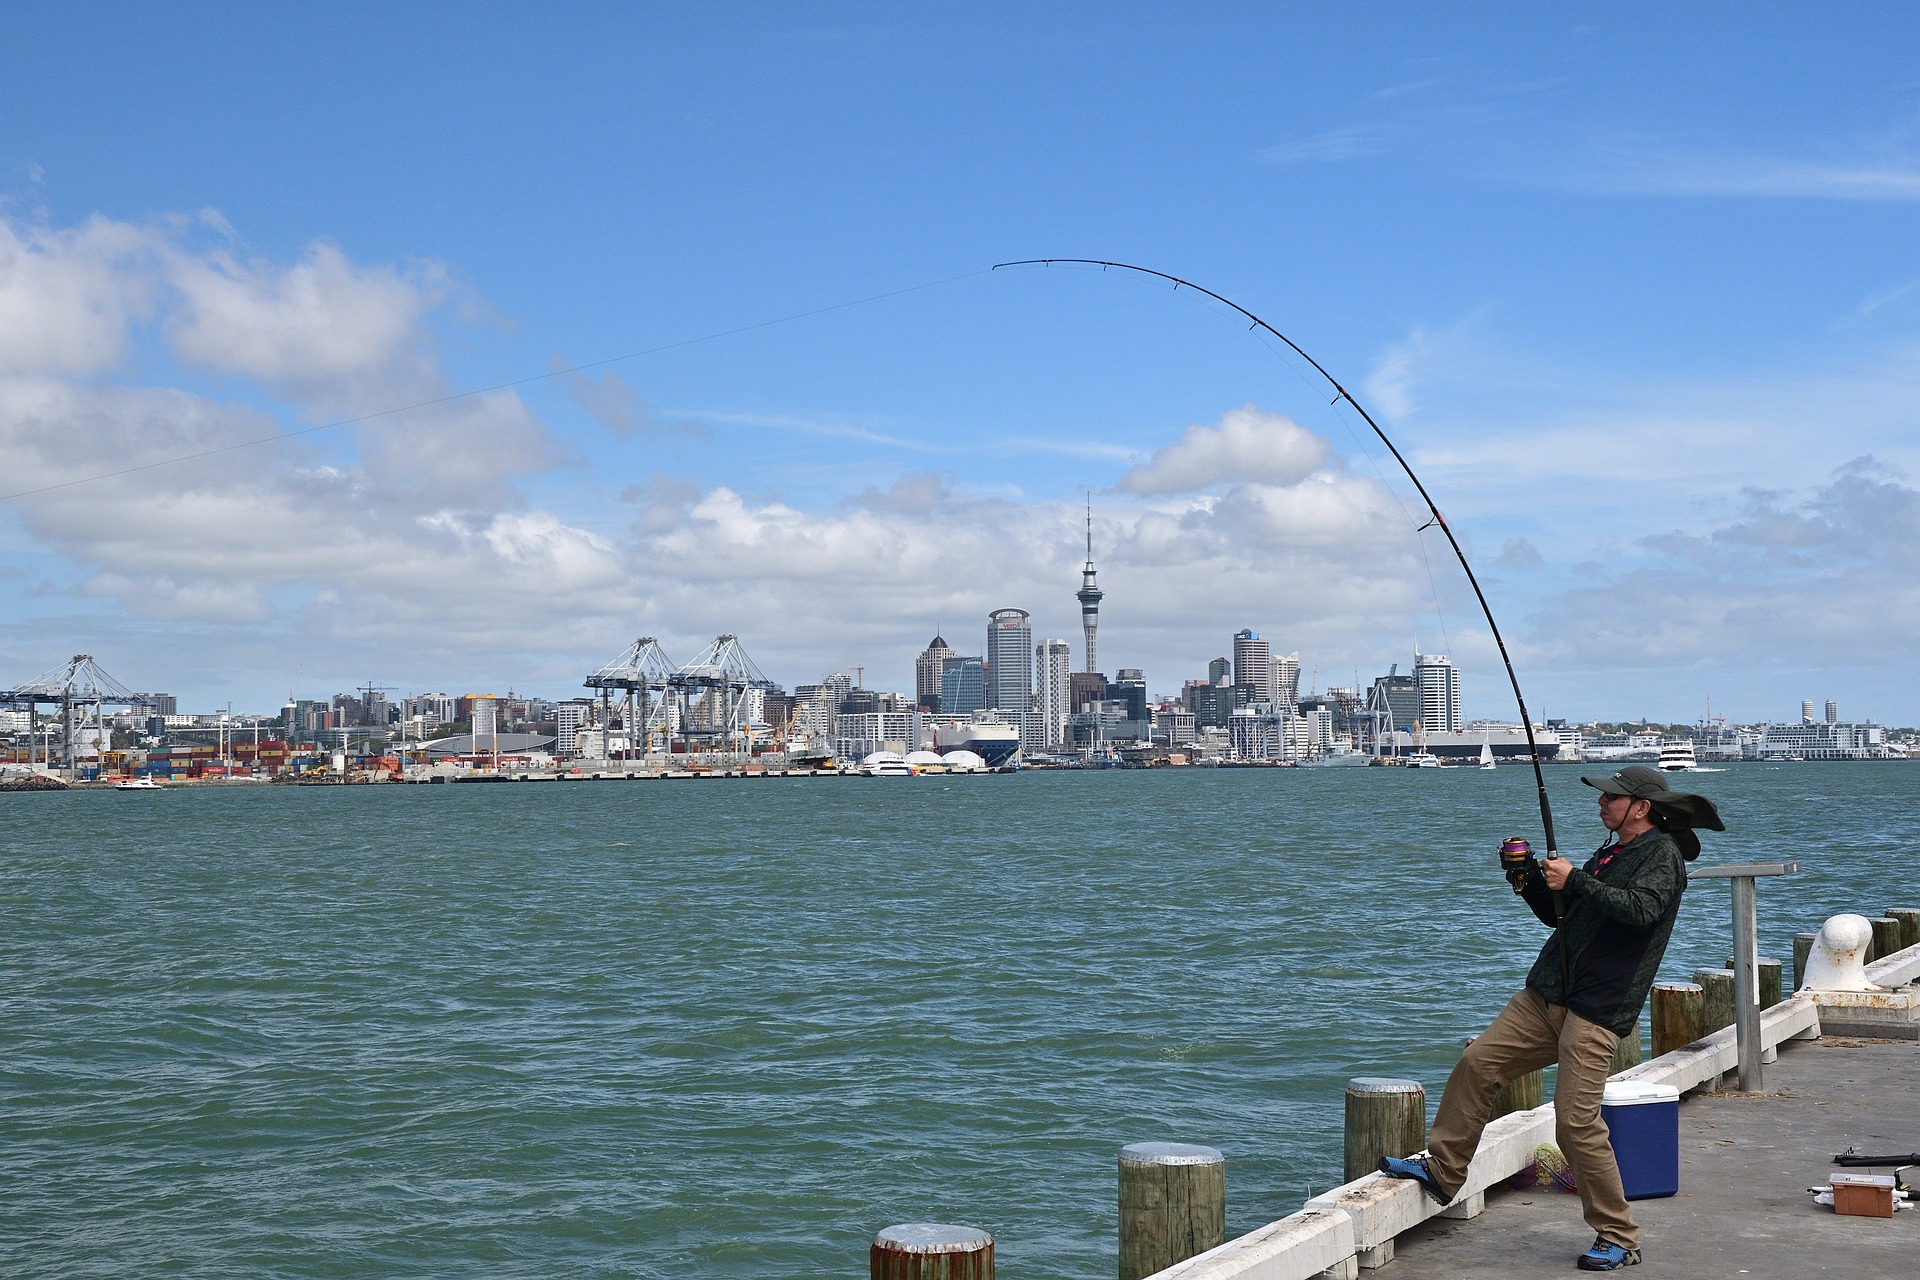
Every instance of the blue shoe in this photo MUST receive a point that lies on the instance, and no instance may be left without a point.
(1607, 1256)
(1416, 1169)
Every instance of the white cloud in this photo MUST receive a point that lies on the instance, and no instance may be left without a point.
(67, 297)
(1248, 446)
(313, 326)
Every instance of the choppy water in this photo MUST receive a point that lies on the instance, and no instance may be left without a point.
(734, 1027)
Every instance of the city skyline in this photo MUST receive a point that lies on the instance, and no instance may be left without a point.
(1634, 292)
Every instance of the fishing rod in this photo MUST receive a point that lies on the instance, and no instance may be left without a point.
(1526, 721)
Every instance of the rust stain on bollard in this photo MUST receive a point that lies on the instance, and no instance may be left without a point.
(931, 1251)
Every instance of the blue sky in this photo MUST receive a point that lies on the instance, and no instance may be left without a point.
(1638, 292)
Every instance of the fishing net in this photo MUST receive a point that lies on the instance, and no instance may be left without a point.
(1548, 1169)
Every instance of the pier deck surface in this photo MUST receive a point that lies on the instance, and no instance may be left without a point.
(1745, 1164)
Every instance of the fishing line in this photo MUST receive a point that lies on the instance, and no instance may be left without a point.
(1439, 521)
(1285, 360)
(488, 390)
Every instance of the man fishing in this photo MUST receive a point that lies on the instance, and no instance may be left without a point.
(1611, 921)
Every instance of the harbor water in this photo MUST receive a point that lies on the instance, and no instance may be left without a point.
(733, 1027)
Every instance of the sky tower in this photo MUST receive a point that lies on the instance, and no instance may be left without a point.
(1089, 595)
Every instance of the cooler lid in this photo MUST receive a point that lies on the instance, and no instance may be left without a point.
(1637, 1093)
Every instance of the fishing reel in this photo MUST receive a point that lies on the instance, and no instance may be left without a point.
(1517, 862)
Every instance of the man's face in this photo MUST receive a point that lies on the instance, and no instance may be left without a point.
(1614, 810)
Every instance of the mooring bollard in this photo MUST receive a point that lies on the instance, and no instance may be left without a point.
(931, 1251)
(1716, 999)
(1385, 1117)
(1679, 1015)
(1627, 1052)
(1886, 938)
(1802, 948)
(1909, 918)
(1173, 1205)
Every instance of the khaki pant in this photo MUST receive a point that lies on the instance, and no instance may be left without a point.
(1530, 1034)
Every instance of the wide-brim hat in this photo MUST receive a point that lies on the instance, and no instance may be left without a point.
(1644, 782)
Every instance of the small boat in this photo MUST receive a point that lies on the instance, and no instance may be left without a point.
(1677, 756)
(137, 784)
(1486, 755)
(1421, 760)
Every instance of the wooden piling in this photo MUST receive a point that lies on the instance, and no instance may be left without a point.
(1909, 918)
(1886, 939)
(1385, 1117)
(1769, 982)
(1716, 999)
(1627, 1052)
(1524, 1094)
(931, 1251)
(1173, 1205)
(1679, 1015)
(1802, 948)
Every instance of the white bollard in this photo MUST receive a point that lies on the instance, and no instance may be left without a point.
(1838, 961)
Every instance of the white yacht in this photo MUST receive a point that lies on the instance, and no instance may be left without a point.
(886, 764)
(1676, 756)
(137, 784)
(1421, 760)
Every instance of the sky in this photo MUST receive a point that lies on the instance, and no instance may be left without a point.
(568, 325)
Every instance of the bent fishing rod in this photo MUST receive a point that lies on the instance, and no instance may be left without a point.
(1526, 721)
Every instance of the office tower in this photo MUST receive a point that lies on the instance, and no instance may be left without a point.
(963, 686)
(1286, 678)
(1438, 681)
(1833, 712)
(1130, 686)
(926, 673)
(1009, 660)
(1252, 665)
(1053, 688)
(1089, 596)
(486, 721)
(569, 718)
(1806, 711)
(1220, 671)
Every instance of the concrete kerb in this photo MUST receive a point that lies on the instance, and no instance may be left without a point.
(1297, 1247)
(1369, 1212)
(1896, 970)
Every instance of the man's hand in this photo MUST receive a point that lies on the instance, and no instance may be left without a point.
(1555, 871)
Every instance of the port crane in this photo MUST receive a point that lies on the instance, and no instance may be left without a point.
(80, 689)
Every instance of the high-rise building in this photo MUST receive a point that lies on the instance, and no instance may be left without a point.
(1053, 688)
(1833, 712)
(1009, 660)
(569, 719)
(1253, 665)
(1090, 596)
(486, 721)
(1806, 711)
(963, 686)
(926, 673)
(1130, 687)
(1438, 681)
(1286, 678)
(1220, 671)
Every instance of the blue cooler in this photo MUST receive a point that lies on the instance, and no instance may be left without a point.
(1643, 1124)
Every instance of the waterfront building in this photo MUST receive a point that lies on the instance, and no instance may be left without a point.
(1438, 681)
(1286, 678)
(1252, 665)
(857, 735)
(926, 673)
(1053, 689)
(1089, 597)
(1009, 660)
(1823, 740)
(569, 718)
(1173, 726)
(963, 686)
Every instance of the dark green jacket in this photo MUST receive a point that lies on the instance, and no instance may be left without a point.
(1602, 959)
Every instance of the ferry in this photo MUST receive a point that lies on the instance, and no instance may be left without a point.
(886, 764)
(1677, 756)
(1422, 760)
(137, 784)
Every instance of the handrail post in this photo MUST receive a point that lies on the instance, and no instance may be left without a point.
(1746, 958)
